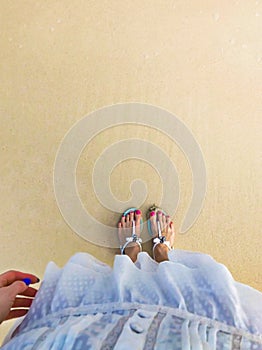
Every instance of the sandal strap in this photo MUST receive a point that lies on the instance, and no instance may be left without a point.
(158, 240)
(133, 238)
(162, 240)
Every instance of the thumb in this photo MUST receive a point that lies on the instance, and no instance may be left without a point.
(15, 288)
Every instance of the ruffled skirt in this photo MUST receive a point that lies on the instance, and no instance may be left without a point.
(190, 288)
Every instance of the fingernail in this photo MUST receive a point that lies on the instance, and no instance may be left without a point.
(138, 212)
(152, 213)
(27, 281)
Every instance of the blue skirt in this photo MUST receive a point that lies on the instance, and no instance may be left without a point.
(188, 302)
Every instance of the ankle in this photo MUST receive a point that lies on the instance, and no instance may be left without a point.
(132, 252)
(161, 252)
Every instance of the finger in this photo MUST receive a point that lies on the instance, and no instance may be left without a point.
(11, 276)
(22, 302)
(16, 313)
(18, 287)
(29, 292)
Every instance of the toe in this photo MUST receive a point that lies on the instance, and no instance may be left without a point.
(137, 221)
(123, 221)
(164, 222)
(153, 223)
(120, 233)
(171, 230)
(160, 219)
(128, 223)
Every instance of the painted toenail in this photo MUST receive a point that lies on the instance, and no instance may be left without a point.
(152, 213)
(138, 212)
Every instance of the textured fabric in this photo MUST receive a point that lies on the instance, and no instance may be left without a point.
(189, 302)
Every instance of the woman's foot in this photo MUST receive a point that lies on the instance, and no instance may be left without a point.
(125, 230)
(167, 230)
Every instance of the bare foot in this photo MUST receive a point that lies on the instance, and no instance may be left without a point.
(167, 230)
(125, 230)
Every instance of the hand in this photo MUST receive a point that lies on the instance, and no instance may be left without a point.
(11, 287)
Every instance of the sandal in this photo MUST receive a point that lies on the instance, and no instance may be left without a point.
(160, 238)
(134, 237)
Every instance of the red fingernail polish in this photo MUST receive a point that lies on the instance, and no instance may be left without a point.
(152, 213)
(138, 212)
